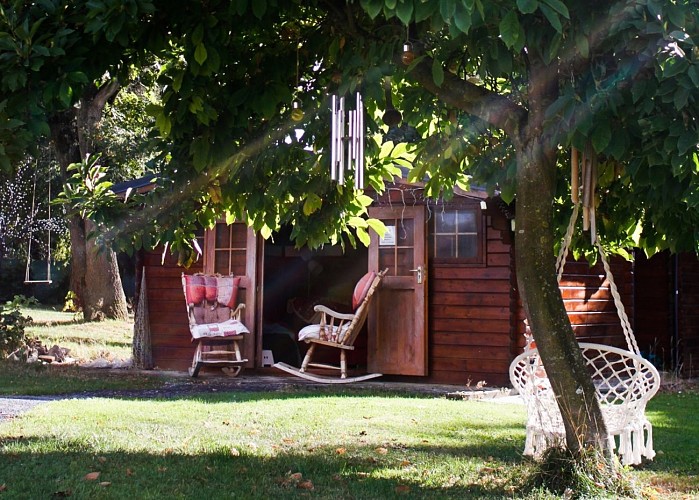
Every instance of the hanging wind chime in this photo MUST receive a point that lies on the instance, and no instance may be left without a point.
(347, 140)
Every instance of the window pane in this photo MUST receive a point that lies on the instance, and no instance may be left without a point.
(445, 246)
(240, 235)
(405, 233)
(467, 221)
(221, 263)
(468, 246)
(405, 262)
(223, 238)
(387, 259)
(446, 221)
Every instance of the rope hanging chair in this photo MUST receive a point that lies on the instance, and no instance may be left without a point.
(624, 381)
(27, 273)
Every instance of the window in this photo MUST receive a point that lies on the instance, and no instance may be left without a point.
(227, 249)
(456, 236)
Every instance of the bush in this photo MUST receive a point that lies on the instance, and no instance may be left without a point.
(12, 325)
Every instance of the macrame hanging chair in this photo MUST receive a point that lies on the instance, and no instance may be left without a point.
(624, 381)
(28, 278)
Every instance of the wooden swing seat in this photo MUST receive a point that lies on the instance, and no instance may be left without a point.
(338, 331)
(214, 322)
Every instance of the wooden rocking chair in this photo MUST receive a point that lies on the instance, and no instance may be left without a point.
(338, 331)
(214, 322)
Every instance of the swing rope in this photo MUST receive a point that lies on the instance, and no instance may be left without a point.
(27, 277)
(588, 186)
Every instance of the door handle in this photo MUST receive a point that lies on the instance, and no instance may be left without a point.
(419, 273)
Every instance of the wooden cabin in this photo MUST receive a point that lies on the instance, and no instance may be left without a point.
(448, 310)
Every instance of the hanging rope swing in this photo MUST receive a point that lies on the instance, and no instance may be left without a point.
(624, 381)
(32, 219)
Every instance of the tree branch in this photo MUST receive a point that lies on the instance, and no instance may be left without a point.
(493, 108)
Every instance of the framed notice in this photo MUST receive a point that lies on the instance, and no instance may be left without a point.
(389, 237)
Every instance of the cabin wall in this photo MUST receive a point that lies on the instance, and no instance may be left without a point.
(589, 302)
(654, 308)
(171, 343)
(688, 313)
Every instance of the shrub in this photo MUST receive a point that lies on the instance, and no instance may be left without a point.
(12, 325)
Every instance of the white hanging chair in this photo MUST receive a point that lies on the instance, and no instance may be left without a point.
(624, 381)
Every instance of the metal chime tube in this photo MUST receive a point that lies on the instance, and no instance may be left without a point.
(347, 140)
(333, 138)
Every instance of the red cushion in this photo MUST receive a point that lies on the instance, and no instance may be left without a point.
(211, 289)
(194, 289)
(227, 294)
(362, 289)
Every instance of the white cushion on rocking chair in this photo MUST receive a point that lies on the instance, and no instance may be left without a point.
(224, 329)
(313, 332)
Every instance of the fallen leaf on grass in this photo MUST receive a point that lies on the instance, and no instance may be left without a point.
(235, 452)
(381, 450)
(105, 483)
(296, 476)
(92, 476)
(162, 469)
(3, 487)
(101, 459)
(341, 451)
(401, 488)
(287, 440)
(129, 472)
(405, 463)
(305, 485)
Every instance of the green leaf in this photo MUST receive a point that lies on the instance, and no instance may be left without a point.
(372, 7)
(241, 6)
(688, 140)
(313, 202)
(581, 45)
(200, 54)
(511, 31)
(259, 7)
(378, 226)
(355, 221)
(447, 9)
(601, 135)
(527, 6)
(404, 11)
(462, 18)
(558, 6)
(552, 17)
(437, 72)
(198, 35)
(363, 236)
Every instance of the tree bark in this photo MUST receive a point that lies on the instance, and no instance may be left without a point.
(536, 273)
(102, 295)
(536, 149)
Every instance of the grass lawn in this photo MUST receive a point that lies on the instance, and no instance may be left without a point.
(109, 339)
(334, 443)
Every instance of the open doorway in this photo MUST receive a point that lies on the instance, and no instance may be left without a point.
(295, 281)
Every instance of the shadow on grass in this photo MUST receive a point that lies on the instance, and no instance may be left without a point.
(225, 473)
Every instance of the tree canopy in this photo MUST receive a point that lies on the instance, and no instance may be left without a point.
(498, 92)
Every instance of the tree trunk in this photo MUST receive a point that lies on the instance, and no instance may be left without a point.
(65, 142)
(536, 278)
(101, 295)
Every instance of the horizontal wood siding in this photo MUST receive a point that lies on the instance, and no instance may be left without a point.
(588, 299)
(654, 307)
(469, 317)
(170, 339)
(688, 313)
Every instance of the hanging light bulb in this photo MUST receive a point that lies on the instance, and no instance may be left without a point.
(296, 111)
(408, 56)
